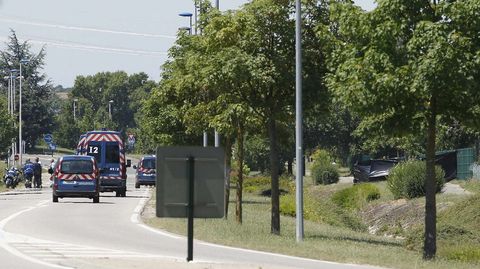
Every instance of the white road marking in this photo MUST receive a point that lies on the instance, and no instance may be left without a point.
(135, 219)
(4, 243)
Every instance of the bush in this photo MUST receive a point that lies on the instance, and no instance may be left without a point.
(323, 171)
(407, 180)
(357, 196)
(325, 174)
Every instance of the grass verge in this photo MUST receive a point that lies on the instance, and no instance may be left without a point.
(322, 241)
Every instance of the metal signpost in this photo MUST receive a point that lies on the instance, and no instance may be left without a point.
(190, 184)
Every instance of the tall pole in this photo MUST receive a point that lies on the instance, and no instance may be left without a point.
(217, 136)
(298, 125)
(9, 91)
(74, 110)
(196, 20)
(20, 118)
(110, 109)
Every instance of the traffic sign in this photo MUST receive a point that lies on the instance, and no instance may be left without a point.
(131, 139)
(16, 157)
(48, 138)
(52, 146)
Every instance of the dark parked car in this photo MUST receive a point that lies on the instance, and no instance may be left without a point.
(372, 170)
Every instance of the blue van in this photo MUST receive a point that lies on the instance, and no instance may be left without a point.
(108, 150)
(76, 176)
(146, 172)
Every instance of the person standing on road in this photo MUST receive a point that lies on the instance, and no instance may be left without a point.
(37, 174)
(51, 169)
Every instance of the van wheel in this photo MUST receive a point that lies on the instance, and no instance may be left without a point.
(55, 198)
(137, 185)
(96, 200)
(117, 194)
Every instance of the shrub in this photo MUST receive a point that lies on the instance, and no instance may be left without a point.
(325, 174)
(323, 171)
(357, 196)
(407, 180)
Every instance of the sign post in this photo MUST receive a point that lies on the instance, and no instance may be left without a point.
(191, 194)
(190, 184)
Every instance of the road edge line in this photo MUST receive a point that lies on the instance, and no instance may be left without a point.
(16, 252)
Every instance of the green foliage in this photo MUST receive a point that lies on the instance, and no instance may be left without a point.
(357, 196)
(37, 108)
(407, 179)
(323, 171)
(7, 132)
(93, 94)
(325, 174)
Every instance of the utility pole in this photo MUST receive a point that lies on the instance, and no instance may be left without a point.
(298, 124)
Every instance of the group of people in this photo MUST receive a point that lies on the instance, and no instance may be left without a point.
(35, 169)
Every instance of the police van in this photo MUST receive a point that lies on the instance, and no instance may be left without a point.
(76, 176)
(108, 150)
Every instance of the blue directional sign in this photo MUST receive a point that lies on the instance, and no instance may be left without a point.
(48, 138)
(52, 146)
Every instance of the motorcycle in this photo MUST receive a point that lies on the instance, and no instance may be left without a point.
(12, 177)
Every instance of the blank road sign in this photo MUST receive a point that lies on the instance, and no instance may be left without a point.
(172, 181)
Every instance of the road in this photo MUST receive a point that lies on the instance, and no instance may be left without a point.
(75, 233)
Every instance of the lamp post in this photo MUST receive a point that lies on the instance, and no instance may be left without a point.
(20, 139)
(12, 107)
(187, 15)
(74, 109)
(298, 124)
(9, 91)
(110, 109)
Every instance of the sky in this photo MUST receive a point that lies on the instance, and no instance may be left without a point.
(90, 36)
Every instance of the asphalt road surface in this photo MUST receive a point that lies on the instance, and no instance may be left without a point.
(75, 233)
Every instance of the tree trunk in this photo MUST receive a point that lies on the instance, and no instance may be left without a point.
(430, 244)
(240, 151)
(228, 161)
(272, 133)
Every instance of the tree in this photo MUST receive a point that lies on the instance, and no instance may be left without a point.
(7, 132)
(404, 66)
(37, 91)
(93, 94)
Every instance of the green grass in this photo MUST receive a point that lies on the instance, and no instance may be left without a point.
(458, 232)
(322, 241)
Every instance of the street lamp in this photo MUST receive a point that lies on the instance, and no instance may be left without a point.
(188, 15)
(13, 77)
(74, 109)
(20, 141)
(110, 109)
(299, 231)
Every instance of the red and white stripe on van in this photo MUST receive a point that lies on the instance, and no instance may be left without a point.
(59, 175)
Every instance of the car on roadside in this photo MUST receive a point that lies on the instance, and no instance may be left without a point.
(76, 176)
(146, 173)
